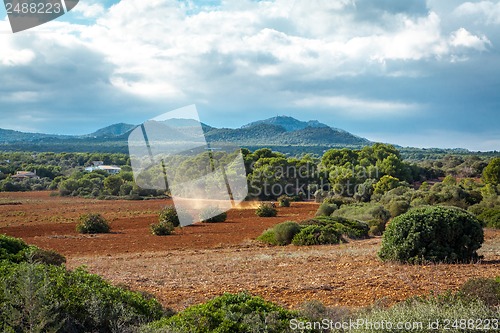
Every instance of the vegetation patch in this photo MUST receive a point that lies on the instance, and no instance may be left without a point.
(163, 228)
(266, 210)
(92, 224)
(432, 234)
(318, 231)
(229, 313)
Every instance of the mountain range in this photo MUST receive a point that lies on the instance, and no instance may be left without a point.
(287, 133)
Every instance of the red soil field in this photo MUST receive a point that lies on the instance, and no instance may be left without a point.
(204, 260)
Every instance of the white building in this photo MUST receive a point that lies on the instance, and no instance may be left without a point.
(111, 169)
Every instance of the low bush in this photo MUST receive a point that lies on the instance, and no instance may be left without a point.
(169, 214)
(326, 209)
(284, 201)
(268, 237)
(347, 227)
(321, 230)
(443, 313)
(47, 257)
(229, 313)
(317, 235)
(212, 215)
(491, 218)
(266, 210)
(46, 298)
(435, 234)
(377, 227)
(163, 228)
(285, 232)
(363, 212)
(486, 290)
(15, 250)
(92, 224)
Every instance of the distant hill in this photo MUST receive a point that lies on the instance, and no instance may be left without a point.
(112, 130)
(288, 123)
(280, 133)
(7, 135)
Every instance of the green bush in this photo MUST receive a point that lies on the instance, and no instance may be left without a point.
(229, 313)
(377, 227)
(398, 207)
(284, 232)
(46, 298)
(163, 228)
(486, 290)
(212, 215)
(12, 249)
(339, 201)
(326, 209)
(47, 257)
(284, 201)
(92, 224)
(266, 210)
(350, 228)
(491, 218)
(169, 214)
(363, 212)
(15, 250)
(317, 235)
(435, 234)
(268, 237)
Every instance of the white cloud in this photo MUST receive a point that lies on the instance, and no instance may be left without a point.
(89, 10)
(483, 11)
(281, 53)
(463, 38)
(359, 107)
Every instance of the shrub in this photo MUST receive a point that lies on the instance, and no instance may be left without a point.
(92, 224)
(486, 290)
(284, 201)
(435, 234)
(15, 250)
(268, 237)
(377, 227)
(46, 298)
(12, 249)
(229, 313)
(317, 235)
(163, 228)
(212, 214)
(447, 308)
(316, 311)
(491, 218)
(363, 212)
(350, 228)
(47, 257)
(339, 200)
(266, 210)
(284, 232)
(169, 214)
(326, 209)
(398, 207)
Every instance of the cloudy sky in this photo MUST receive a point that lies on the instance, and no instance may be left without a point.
(413, 73)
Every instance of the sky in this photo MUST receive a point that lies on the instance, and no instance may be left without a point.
(413, 73)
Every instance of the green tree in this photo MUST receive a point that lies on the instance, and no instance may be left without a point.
(385, 184)
(112, 184)
(491, 174)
